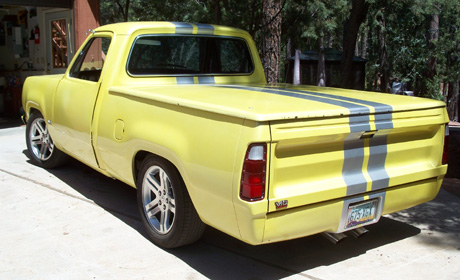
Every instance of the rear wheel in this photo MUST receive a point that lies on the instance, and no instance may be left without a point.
(40, 145)
(167, 211)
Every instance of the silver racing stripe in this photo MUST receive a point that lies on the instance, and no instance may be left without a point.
(384, 121)
(205, 29)
(190, 80)
(187, 28)
(354, 109)
(377, 157)
(206, 80)
(354, 147)
(354, 150)
(202, 29)
(359, 123)
(378, 107)
(184, 80)
(183, 28)
(352, 170)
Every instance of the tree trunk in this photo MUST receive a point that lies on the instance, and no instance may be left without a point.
(358, 14)
(127, 10)
(452, 107)
(217, 11)
(364, 44)
(288, 48)
(384, 70)
(330, 41)
(321, 72)
(123, 10)
(433, 37)
(271, 41)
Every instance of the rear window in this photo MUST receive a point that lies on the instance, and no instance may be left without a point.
(170, 55)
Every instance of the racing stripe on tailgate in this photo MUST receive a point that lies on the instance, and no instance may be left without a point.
(353, 170)
(354, 150)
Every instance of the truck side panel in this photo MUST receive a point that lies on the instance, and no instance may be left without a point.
(202, 145)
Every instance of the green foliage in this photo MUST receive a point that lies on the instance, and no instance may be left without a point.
(400, 27)
(143, 10)
(409, 45)
(449, 41)
(305, 21)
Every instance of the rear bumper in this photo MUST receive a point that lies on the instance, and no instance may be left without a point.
(328, 216)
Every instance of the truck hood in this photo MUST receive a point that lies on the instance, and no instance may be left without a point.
(277, 102)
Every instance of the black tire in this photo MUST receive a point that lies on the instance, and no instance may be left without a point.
(40, 145)
(167, 211)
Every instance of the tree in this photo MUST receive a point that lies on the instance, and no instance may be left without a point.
(357, 16)
(114, 11)
(314, 25)
(271, 39)
(448, 64)
(415, 42)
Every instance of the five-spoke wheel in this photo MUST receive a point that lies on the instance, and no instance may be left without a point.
(167, 211)
(158, 199)
(40, 140)
(40, 145)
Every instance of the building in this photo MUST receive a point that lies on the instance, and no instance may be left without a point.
(39, 37)
(333, 57)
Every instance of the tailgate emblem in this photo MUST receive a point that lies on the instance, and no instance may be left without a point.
(281, 204)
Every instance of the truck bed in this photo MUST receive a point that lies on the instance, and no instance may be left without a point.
(278, 102)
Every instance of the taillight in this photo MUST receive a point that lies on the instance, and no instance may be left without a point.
(254, 173)
(445, 153)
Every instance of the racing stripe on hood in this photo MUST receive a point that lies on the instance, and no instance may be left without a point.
(353, 171)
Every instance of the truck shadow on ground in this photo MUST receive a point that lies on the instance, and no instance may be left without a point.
(219, 256)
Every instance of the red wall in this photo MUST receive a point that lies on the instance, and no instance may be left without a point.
(87, 15)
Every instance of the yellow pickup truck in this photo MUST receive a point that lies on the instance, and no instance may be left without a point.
(182, 112)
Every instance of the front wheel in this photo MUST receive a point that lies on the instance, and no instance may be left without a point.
(40, 145)
(167, 211)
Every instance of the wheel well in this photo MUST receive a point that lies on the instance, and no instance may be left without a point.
(31, 111)
(139, 158)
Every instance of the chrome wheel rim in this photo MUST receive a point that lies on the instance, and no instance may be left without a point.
(158, 200)
(40, 140)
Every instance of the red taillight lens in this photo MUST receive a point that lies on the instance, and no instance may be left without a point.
(445, 153)
(254, 173)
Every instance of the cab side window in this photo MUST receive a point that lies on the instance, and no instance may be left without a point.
(90, 61)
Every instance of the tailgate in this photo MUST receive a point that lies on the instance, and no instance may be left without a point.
(315, 160)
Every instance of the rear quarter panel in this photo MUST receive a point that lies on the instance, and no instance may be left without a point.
(206, 147)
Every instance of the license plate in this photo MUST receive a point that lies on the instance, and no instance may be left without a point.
(361, 213)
